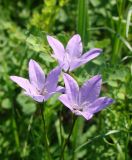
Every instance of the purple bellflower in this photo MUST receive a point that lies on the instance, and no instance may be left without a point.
(71, 57)
(39, 87)
(85, 100)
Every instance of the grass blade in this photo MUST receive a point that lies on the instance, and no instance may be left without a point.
(128, 21)
(96, 137)
(83, 20)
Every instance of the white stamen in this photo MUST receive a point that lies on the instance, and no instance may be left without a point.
(77, 107)
(43, 92)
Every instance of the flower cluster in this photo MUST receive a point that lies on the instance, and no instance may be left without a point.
(82, 101)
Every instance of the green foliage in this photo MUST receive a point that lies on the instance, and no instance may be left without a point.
(23, 29)
(83, 20)
(50, 11)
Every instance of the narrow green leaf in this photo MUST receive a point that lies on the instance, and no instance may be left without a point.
(96, 137)
(83, 20)
(128, 21)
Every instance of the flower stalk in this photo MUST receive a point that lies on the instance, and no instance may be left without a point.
(68, 138)
(45, 131)
(28, 133)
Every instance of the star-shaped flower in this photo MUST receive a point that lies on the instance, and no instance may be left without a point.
(39, 87)
(71, 57)
(85, 100)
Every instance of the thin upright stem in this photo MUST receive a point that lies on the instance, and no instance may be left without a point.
(28, 132)
(14, 125)
(68, 138)
(45, 132)
(16, 134)
(60, 125)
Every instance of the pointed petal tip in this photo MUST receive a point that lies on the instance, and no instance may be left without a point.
(12, 78)
(95, 51)
(65, 75)
(37, 98)
(97, 78)
(98, 50)
(86, 115)
(108, 101)
(64, 99)
(60, 89)
(60, 97)
(48, 37)
(89, 117)
(57, 69)
(77, 36)
(31, 61)
(111, 100)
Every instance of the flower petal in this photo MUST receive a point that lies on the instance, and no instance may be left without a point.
(91, 89)
(65, 100)
(52, 80)
(72, 89)
(91, 54)
(38, 98)
(84, 58)
(98, 105)
(65, 64)
(57, 48)
(36, 75)
(48, 95)
(76, 63)
(60, 89)
(86, 115)
(22, 82)
(74, 46)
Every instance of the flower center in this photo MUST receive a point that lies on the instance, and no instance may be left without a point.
(67, 58)
(80, 107)
(77, 107)
(44, 91)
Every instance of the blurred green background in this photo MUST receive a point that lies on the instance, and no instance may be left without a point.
(23, 29)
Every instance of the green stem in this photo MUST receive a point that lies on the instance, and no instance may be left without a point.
(83, 22)
(45, 132)
(14, 125)
(16, 133)
(116, 53)
(26, 141)
(126, 148)
(68, 138)
(61, 138)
